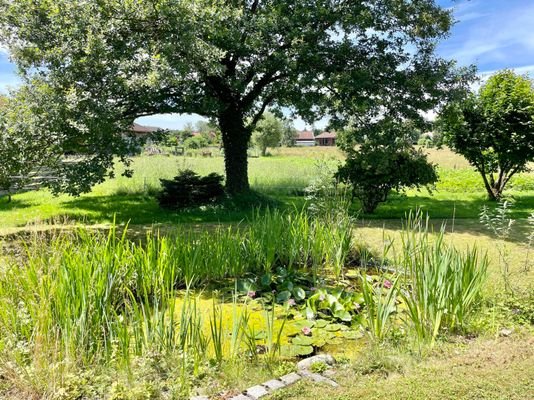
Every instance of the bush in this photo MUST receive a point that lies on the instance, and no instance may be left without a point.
(195, 142)
(373, 171)
(189, 189)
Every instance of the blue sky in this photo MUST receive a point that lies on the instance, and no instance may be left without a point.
(492, 34)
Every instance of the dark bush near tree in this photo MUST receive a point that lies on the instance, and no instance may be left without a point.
(189, 189)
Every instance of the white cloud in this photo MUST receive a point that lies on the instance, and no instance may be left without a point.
(170, 121)
(490, 36)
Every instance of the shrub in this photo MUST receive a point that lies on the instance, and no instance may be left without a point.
(373, 171)
(189, 189)
(195, 142)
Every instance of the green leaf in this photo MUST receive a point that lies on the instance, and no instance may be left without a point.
(352, 335)
(333, 327)
(299, 293)
(266, 280)
(321, 323)
(302, 340)
(343, 315)
(283, 296)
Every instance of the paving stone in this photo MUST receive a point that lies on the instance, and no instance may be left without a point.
(256, 392)
(274, 384)
(241, 397)
(199, 398)
(318, 378)
(308, 362)
(291, 378)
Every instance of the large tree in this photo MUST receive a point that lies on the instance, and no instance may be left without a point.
(110, 61)
(494, 129)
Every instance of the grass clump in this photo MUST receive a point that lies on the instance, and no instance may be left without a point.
(441, 284)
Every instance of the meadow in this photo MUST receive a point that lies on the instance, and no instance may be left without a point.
(108, 296)
(282, 177)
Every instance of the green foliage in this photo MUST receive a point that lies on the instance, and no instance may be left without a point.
(494, 129)
(442, 285)
(195, 142)
(268, 132)
(380, 304)
(289, 134)
(109, 62)
(500, 222)
(334, 304)
(318, 367)
(188, 189)
(373, 171)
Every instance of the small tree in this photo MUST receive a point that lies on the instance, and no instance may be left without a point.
(268, 132)
(380, 158)
(24, 151)
(494, 129)
(289, 134)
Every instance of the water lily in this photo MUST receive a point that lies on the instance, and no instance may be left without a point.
(306, 331)
(388, 284)
(251, 294)
(291, 302)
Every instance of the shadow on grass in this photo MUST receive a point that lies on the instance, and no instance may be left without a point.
(145, 210)
(398, 205)
(460, 217)
(14, 204)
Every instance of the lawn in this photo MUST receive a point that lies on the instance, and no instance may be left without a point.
(282, 176)
(211, 268)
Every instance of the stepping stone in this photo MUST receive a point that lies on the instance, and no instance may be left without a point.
(318, 378)
(256, 392)
(241, 397)
(308, 362)
(274, 384)
(291, 378)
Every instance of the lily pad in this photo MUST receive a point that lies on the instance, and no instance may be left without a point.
(296, 350)
(333, 327)
(321, 323)
(352, 335)
(319, 341)
(343, 315)
(302, 340)
(283, 296)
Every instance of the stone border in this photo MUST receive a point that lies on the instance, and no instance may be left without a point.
(303, 372)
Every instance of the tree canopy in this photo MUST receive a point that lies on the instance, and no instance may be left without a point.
(106, 62)
(494, 129)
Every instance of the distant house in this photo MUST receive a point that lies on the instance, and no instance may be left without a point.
(141, 130)
(326, 139)
(305, 138)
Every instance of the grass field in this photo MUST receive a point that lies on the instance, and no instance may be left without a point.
(497, 367)
(283, 176)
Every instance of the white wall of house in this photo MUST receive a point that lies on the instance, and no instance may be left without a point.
(307, 143)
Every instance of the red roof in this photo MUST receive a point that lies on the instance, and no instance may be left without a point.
(326, 135)
(136, 128)
(305, 135)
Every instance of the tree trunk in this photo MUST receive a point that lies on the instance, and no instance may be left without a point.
(491, 192)
(235, 138)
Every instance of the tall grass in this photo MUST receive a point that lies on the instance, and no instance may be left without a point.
(85, 298)
(441, 284)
